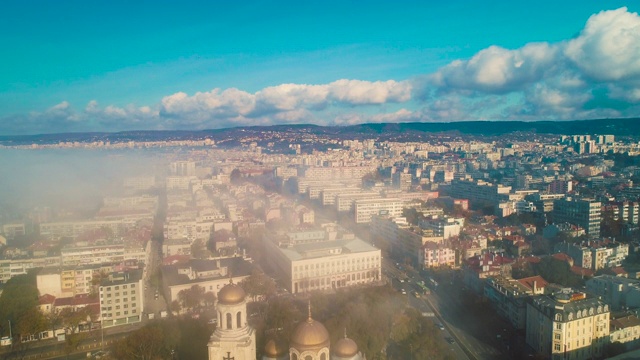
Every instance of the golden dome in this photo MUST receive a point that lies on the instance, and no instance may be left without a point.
(309, 334)
(345, 347)
(275, 348)
(231, 294)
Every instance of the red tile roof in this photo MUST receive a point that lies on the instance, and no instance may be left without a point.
(539, 280)
(46, 299)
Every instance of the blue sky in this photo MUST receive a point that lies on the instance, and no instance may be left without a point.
(122, 65)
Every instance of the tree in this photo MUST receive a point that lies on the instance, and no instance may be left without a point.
(191, 298)
(186, 337)
(235, 176)
(412, 215)
(175, 307)
(71, 319)
(199, 250)
(257, 284)
(209, 299)
(557, 271)
(147, 343)
(19, 297)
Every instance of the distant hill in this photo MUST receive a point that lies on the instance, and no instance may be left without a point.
(397, 131)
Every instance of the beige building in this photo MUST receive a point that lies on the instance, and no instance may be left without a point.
(625, 330)
(567, 325)
(308, 260)
(85, 255)
(121, 299)
(211, 275)
(365, 209)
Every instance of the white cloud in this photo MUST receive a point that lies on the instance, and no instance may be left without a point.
(292, 96)
(358, 92)
(497, 70)
(608, 48)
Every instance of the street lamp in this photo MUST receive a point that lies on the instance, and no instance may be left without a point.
(10, 334)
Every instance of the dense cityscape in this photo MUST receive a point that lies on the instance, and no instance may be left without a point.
(283, 246)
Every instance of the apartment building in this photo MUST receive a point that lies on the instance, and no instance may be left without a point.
(345, 202)
(121, 298)
(365, 209)
(567, 325)
(72, 229)
(14, 267)
(585, 213)
(509, 298)
(444, 226)
(618, 292)
(435, 255)
(580, 254)
(85, 255)
(478, 191)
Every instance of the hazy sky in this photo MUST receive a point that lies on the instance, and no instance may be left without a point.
(120, 65)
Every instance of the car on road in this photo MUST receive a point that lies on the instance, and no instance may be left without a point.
(440, 326)
(450, 340)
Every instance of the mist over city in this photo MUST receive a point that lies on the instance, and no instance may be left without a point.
(320, 180)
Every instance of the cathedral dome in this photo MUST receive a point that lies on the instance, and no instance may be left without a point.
(345, 348)
(309, 334)
(275, 348)
(231, 294)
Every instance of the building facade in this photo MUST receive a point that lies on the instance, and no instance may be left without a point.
(567, 325)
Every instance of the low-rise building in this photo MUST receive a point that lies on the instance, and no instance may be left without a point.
(322, 260)
(210, 275)
(625, 330)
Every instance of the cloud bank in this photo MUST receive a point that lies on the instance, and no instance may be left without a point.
(595, 74)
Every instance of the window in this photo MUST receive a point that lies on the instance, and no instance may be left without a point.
(229, 321)
(556, 336)
(556, 347)
(239, 319)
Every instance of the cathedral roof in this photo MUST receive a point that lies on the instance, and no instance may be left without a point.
(309, 334)
(275, 348)
(231, 294)
(345, 347)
